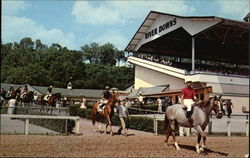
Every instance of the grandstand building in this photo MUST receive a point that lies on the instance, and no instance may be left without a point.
(210, 51)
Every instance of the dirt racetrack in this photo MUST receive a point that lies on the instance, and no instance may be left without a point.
(137, 144)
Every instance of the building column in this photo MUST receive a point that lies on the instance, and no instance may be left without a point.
(193, 53)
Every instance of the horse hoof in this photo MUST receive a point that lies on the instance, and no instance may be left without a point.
(166, 145)
(198, 151)
(178, 149)
(202, 149)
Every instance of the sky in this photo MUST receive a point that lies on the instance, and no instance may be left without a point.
(73, 24)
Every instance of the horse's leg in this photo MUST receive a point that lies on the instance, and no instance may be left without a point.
(202, 134)
(168, 130)
(110, 125)
(168, 133)
(198, 143)
(172, 125)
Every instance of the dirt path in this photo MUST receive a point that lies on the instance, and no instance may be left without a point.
(137, 144)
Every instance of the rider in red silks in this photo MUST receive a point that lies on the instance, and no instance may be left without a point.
(188, 96)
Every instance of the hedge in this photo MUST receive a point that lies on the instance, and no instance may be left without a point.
(137, 122)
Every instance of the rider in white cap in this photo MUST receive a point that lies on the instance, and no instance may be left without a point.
(49, 91)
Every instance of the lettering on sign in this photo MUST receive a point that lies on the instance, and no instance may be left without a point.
(161, 28)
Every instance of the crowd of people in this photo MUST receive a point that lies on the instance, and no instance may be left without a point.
(217, 68)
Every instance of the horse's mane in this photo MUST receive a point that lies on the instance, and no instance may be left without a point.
(203, 103)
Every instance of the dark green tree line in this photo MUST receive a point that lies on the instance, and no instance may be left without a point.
(35, 63)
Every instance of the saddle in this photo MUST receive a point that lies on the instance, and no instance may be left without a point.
(101, 109)
(46, 98)
(189, 113)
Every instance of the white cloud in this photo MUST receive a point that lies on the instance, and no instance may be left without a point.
(13, 7)
(236, 9)
(115, 12)
(16, 28)
(115, 37)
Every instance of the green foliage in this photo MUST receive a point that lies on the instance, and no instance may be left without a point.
(37, 64)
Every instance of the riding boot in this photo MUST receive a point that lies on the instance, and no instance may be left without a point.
(189, 117)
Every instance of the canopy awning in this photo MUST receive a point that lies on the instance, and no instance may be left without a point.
(216, 38)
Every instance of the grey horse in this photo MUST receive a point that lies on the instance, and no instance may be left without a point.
(201, 112)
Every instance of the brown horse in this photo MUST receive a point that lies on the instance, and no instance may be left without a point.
(107, 112)
(27, 98)
(51, 102)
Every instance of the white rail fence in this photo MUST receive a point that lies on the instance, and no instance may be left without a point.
(228, 121)
(27, 117)
(211, 121)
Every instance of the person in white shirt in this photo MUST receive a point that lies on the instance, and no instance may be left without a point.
(124, 117)
(159, 104)
(140, 99)
(83, 102)
(35, 99)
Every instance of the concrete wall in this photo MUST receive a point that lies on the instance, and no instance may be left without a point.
(145, 77)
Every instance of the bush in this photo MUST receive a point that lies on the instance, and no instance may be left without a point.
(137, 122)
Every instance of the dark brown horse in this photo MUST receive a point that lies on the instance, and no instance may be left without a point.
(27, 98)
(51, 102)
(201, 113)
(107, 112)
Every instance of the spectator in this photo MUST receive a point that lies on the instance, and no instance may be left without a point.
(35, 99)
(140, 99)
(83, 102)
(229, 107)
(159, 101)
(64, 101)
(127, 102)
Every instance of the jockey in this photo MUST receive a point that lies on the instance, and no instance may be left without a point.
(25, 91)
(10, 90)
(49, 91)
(188, 96)
(104, 97)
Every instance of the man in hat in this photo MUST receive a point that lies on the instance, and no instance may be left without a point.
(104, 97)
(188, 96)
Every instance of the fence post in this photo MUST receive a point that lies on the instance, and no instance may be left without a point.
(156, 127)
(210, 127)
(247, 128)
(228, 128)
(154, 124)
(66, 126)
(26, 127)
(77, 126)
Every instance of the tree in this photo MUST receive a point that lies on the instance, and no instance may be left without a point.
(27, 43)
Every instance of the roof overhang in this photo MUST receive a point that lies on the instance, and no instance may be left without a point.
(215, 38)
